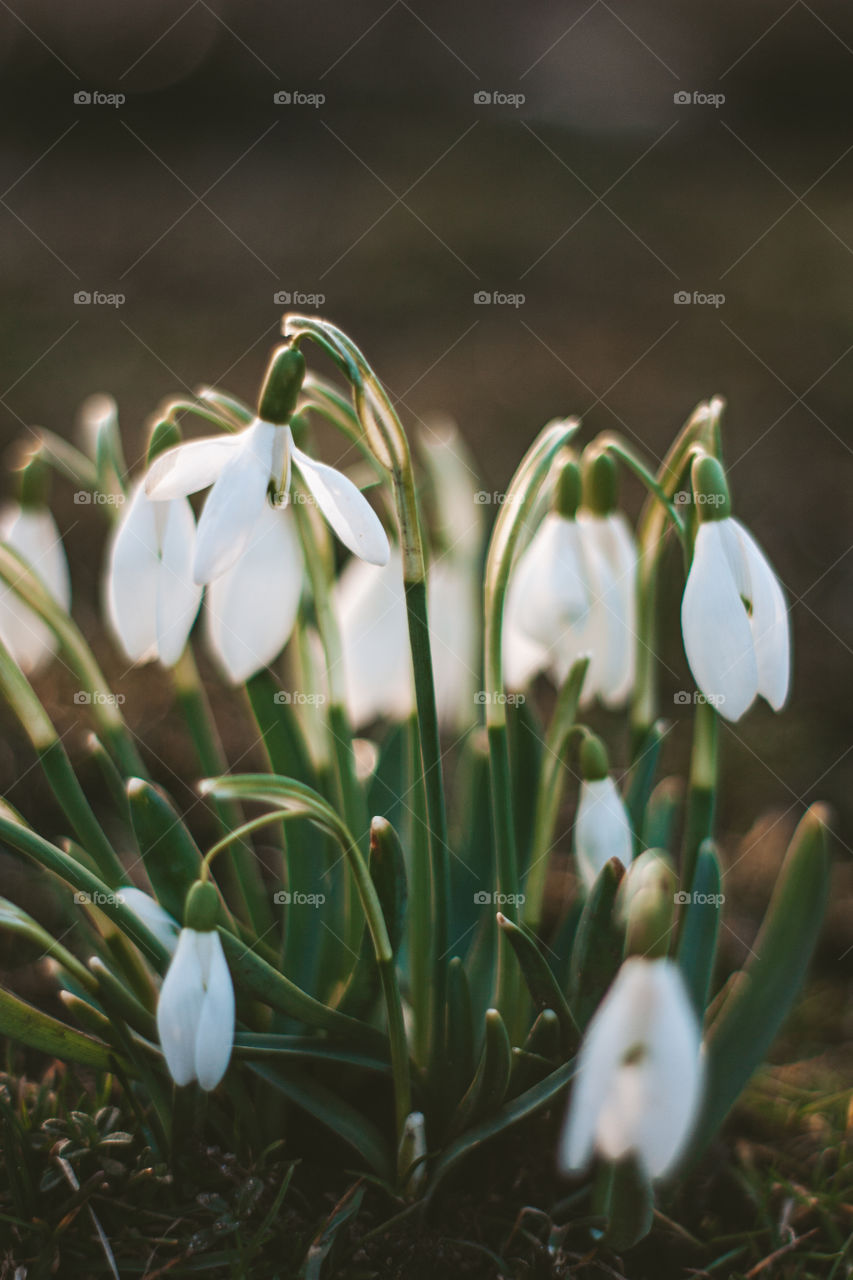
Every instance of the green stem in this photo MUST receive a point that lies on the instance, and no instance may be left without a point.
(420, 907)
(702, 789)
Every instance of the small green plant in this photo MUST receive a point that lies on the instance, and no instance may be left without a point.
(346, 947)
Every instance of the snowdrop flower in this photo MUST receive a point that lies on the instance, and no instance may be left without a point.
(572, 593)
(370, 605)
(602, 825)
(31, 531)
(245, 466)
(639, 1080)
(251, 608)
(195, 1013)
(734, 616)
(151, 598)
(151, 914)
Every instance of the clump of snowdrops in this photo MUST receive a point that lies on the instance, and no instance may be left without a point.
(345, 945)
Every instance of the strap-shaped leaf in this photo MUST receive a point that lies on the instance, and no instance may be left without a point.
(488, 1088)
(597, 953)
(27, 1025)
(763, 993)
(661, 813)
(625, 1197)
(460, 1035)
(387, 868)
(640, 782)
(540, 979)
(261, 1045)
(172, 858)
(697, 948)
(13, 919)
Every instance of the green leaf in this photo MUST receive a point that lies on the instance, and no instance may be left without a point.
(661, 813)
(762, 995)
(460, 1035)
(324, 1242)
(27, 1025)
(387, 869)
(259, 1045)
(13, 919)
(172, 858)
(533, 1100)
(488, 1088)
(700, 925)
(344, 1120)
(624, 1195)
(597, 953)
(639, 788)
(540, 979)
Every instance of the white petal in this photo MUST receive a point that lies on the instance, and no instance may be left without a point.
(191, 466)
(769, 622)
(453, 595)
(235, 503)
(178, 596)
(602, 829)
(251, 608)
(346, 509)
(215, 1035)
(552, 591)
(522, 657)
(370, 604)
(133, 569)
(32, 532)
(179, 1009)
(714, 623)
(153, 916)
(612, 540)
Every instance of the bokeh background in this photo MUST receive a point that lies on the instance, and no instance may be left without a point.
(587, 161)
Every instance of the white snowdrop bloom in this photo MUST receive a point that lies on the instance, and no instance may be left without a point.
(155, 918)
(734, 619)
(151, 598)
(639, 1081)
(455, 609)
(242, 468)
(612, 553)
(195, 1013)
(602, 828)
(32, 533)
(370, 605)
(251, 608)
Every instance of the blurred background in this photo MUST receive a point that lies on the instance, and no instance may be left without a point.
(608, 209)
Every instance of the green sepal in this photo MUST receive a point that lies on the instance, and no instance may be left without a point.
(171, 856)
(541, 983)
(599, 942)
(759, 1000)
(697, 948)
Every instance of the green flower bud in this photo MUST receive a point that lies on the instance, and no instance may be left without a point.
(595, 764)
(567, 497)
(600, 482)
(710, 490)
(202, 907)
(282, 385)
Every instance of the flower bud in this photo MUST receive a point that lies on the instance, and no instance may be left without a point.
(710, 490)
(600, 482)
(202, 907)
(567, 497)
(595, 764)
(282, 385)
(647, 904)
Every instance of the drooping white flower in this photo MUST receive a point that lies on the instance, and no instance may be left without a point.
(455, 609)
(370, 605)
(602, 828)
(734, 620)
(32, 533)
(242, 468)
(155, 918)
(251, 608)
(639, 1080)
(195, 1013)
(610, 543)
(151, 598)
